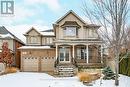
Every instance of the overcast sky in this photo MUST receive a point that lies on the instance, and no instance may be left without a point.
(40, 14)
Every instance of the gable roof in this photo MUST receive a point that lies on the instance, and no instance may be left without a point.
(43, 33)
(5, 33)
(69, 12)
(31, 30)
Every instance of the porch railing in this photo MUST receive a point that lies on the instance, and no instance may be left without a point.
(74, 62)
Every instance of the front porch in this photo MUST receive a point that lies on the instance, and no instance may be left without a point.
(79, 54)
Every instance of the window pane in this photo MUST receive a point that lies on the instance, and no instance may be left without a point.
(81, 53)
(33, 40)
(70, 31)
(78, 53)
(61, 50)
(61, 56)
(67, 54)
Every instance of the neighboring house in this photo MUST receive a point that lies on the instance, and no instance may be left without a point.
(73, 42)
(13, 42)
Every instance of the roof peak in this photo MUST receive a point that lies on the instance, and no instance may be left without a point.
(70, 11)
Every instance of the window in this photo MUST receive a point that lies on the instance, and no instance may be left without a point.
(64, 54)
(81, 53)
(90, 53)
(92, 33)
(70, 31)
(34, 39)
(49, 40)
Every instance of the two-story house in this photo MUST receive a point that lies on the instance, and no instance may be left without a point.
(74, 42)
(13, 43)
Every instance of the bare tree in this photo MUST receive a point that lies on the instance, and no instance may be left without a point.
(112, 16)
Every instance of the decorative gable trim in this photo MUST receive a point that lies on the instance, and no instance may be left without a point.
(71, 23)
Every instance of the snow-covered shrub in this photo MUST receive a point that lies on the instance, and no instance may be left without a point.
(108, 73)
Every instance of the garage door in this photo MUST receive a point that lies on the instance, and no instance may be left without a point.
(38, 63)
(47, 63)
(30, 64)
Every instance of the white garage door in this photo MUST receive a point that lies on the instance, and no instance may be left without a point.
(47, 63)
(30, 64)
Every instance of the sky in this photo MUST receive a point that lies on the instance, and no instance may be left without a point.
(40, 14)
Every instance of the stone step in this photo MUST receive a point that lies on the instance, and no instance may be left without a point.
(66, 70)
(65, 66)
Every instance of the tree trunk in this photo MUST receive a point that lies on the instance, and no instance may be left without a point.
(117, 65)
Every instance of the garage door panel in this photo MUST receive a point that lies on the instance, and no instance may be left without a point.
(30, 64)
(47, 63)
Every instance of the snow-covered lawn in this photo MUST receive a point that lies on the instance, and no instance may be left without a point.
(24, 79)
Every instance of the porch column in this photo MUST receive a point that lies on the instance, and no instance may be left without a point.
(56, 51)
(73, 51)
(87, 53)
(101, 54)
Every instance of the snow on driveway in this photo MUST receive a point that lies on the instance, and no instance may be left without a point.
(24, 79)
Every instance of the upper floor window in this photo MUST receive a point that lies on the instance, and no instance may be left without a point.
(92, 33)
(33, 39)
(70, 31)
(49, 40)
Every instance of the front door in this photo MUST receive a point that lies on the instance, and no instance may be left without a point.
(64, 54)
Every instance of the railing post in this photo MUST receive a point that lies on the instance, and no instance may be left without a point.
(87, 53)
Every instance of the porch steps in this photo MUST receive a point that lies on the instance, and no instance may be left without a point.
(66, 70)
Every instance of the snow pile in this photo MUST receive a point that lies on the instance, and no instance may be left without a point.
(24, 79)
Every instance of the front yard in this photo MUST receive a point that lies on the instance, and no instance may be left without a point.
(26, 79)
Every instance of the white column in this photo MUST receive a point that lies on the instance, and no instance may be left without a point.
(56, 51)
(101, 54)
(73, 51)
(87, 53)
